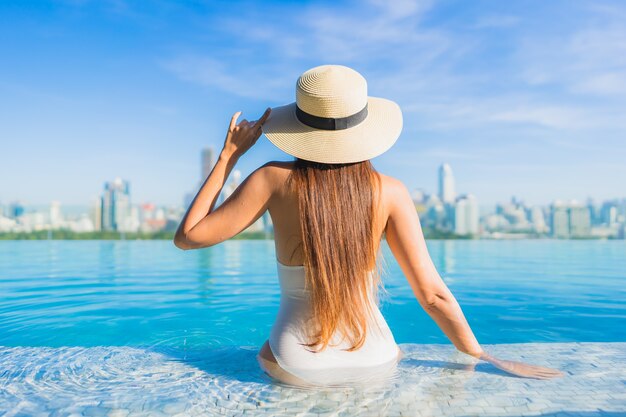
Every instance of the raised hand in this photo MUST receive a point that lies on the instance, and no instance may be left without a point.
(241, 137)
(522, 369)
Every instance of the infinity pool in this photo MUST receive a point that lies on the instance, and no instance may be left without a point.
(131, 327)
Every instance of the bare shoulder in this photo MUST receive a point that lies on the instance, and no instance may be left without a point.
(393, 190)
(274, 173)
(276, 169)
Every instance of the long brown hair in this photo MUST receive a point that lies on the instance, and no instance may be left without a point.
(337, 205)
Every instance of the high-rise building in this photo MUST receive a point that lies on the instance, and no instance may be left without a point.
(231, 186)
(96, 214)
(560, 220)
(579, 221)
(538, 220)
(16, 210)
(208, 162)
(447, 193)
(435, 214)
(115, 203)
(56, 217)
(593, 211)
(570, 220)
(466, 217)
(132, 222)
(609, 213)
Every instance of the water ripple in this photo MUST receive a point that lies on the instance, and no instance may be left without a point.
(109, 380)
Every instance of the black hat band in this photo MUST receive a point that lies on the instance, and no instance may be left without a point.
(331, 123)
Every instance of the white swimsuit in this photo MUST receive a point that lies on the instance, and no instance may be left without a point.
(378, 355)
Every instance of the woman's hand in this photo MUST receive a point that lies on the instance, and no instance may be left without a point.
(521, 369)
(240, 137)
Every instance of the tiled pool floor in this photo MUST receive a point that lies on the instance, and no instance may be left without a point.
(432, 380)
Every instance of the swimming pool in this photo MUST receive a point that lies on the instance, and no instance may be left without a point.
(132, 327)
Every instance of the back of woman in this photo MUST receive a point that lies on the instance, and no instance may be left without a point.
(330, 210)
(328, 222)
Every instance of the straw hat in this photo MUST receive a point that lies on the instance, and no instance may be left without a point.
(333, 120)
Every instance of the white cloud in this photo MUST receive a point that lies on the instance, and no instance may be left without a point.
(210, 72)
(445, 76)
(582, 61)
(552, 117)
(612, 83)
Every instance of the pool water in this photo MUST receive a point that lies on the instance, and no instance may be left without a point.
(83, 320)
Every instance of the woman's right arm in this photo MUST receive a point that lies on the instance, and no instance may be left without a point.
(406, 240)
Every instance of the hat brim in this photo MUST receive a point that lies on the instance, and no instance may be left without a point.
(370, 138)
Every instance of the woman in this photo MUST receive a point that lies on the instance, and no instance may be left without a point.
(330, 210)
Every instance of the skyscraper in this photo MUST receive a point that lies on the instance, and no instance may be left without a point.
(593, 211)
(435, 216)
(465, 218)
(208, 161)
(579, 221)
(56, 217)
(16, 209)
(538, 220)
(609, 212)
(230, 186)
(115, 203)
(96, 214)
(447, 193)
(570, 220)
(560, 220)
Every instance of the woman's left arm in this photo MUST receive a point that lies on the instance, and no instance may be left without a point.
(203, 226)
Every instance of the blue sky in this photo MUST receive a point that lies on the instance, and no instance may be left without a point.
(524, 98)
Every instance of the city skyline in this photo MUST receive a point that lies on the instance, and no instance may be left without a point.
(186, 197)
(520, 103)
(444, 212)
(444, 188)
